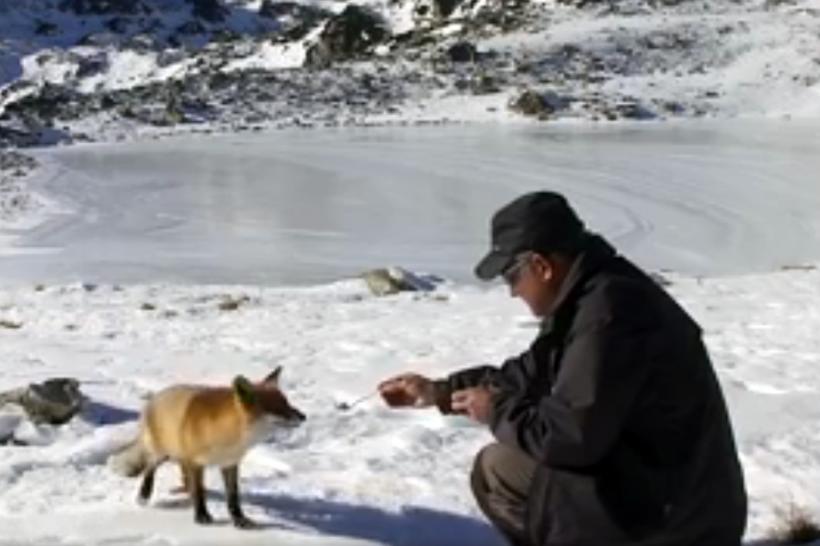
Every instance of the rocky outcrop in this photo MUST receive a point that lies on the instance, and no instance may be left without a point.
(209, 10)
(103, 7)
(295, 19)
(346, 36)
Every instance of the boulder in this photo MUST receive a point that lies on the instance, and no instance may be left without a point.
(540, 105)
(347, 35)
(103, 7)
(462, 52)
(54, 401)
(209, 10)
(392, 280)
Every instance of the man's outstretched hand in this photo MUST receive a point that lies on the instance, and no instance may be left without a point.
(408, 390)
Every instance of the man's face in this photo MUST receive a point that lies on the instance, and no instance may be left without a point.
(534, 279)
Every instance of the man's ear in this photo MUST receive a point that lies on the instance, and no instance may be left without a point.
(543, 266)
(273, 377)
(244, 390)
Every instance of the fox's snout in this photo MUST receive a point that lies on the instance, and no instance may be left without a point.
(296, 416)
(292, 418)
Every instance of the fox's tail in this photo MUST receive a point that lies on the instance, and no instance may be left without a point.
(130, 461)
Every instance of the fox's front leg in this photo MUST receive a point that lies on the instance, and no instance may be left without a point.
(184, 486)
(230, 474)
(195, 474)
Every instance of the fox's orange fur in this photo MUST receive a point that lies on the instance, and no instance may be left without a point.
(199, 426)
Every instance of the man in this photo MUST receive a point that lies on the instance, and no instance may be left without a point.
(611, 428)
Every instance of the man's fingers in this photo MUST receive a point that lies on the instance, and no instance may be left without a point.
(461, 395)
(460, 400)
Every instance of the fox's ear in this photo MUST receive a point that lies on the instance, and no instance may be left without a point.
(244, 390)
(273, 377)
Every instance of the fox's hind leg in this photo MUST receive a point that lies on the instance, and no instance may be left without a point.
(230, 474)
(147, 486)
(195, 474)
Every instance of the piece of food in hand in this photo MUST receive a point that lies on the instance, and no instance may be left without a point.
(397, 396)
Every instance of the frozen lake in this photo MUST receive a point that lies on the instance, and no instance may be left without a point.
(297, 207)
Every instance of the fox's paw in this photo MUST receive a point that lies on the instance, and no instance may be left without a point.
(245, 523)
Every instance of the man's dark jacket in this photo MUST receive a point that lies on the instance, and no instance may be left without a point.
(618, 401)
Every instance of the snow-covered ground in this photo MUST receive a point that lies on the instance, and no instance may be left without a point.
(116, 260)
(369, 475)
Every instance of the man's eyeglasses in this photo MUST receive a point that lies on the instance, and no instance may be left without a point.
(512, 274)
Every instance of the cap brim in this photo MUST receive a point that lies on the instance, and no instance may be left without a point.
(492, 265)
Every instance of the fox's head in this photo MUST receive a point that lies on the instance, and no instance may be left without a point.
(264, 400)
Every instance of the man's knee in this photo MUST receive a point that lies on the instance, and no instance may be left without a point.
(500, 481)
(498, 466)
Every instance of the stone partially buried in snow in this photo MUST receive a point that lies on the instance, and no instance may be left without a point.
(346, 36)
(392, 280)
(540, 105)
(54, 401)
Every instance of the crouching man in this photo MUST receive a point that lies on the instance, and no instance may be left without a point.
(611, 428)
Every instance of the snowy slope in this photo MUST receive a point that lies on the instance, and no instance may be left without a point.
(97, 75)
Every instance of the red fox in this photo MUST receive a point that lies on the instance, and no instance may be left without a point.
(199, 426)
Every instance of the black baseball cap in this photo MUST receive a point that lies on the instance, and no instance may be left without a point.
(540, 222)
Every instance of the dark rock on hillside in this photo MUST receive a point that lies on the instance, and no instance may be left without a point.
(209, 10)
(346, 36)
(103, 7)
(295, 19)
(540, 105)
(462, 52)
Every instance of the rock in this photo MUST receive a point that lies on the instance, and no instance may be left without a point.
(91, 66)
(119, 25)
(632, 109)
(462, 52)
(54, 401)
(432, 11)
(100, 39)
(103, 7)
(209, 10)
(295, 19)
(346, 36)
(485, 84)
(392, 280)
(190, 28)
(15, 137)
(540, 105)
(46, 28)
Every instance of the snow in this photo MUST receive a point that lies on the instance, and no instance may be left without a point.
(116, 267)
(369, 475)
(275, 56)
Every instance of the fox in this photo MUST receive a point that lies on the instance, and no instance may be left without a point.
(200, 426)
